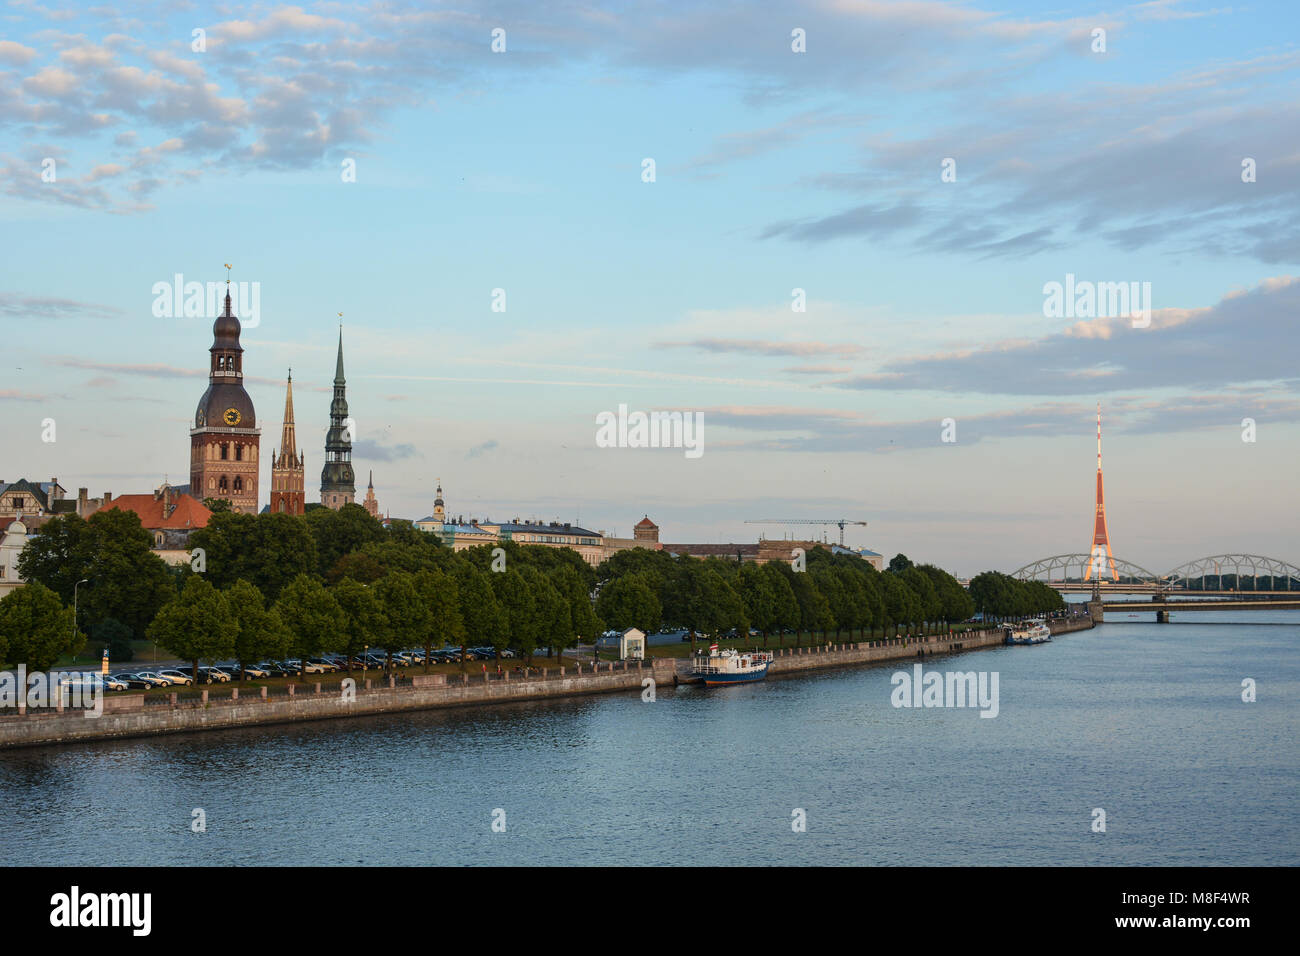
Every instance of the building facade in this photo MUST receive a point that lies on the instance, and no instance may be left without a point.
(13, 538)
(225, 438)
(288, 477)
(170, 517)
(337, 480)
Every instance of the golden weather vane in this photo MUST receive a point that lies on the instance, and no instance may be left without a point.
(228, 268)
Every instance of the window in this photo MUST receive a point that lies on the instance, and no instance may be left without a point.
(221, 483)
(239, 453)
(225, 451)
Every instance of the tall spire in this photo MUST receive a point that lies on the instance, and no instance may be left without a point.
(1101, 559)
(288, 481)
(338, 366)
(337, 478)
(288, 440)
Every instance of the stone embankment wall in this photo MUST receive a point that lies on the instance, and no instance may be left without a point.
(134, 715)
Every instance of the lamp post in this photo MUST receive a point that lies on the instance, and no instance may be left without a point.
(74, 608)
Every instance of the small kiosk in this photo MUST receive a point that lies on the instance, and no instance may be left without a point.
(630, 644)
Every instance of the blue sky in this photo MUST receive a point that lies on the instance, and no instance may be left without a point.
(775, 170)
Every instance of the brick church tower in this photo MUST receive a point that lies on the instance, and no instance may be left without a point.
(288, 479)
(225, 438)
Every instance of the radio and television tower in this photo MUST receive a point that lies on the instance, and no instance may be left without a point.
(1101, 556)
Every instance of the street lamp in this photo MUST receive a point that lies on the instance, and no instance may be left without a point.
(365, 652)
(74, 608)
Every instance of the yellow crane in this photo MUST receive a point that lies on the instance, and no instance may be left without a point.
(835, 521)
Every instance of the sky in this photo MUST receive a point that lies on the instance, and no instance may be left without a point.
(920, 172)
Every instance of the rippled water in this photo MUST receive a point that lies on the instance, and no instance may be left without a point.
(1143, 720)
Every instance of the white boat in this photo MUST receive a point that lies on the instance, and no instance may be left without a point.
(729, 666)
(1034, 631)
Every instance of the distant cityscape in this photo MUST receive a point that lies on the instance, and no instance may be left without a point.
(225, 462)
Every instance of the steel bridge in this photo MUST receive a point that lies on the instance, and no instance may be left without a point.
(1240, 581)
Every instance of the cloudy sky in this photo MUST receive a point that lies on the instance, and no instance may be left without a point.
(920, 171)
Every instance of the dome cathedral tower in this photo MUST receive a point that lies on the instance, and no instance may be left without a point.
(225, 439)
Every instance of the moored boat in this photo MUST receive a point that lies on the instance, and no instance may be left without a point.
(1034, 631)
(729, 666)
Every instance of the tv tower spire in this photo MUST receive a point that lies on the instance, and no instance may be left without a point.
(1101, 558)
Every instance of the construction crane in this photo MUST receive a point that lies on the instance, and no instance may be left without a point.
(837, 521)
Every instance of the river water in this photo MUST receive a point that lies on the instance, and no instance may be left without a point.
(1144, 721)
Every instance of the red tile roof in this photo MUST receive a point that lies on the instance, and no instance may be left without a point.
(646, 523)
(189, 513)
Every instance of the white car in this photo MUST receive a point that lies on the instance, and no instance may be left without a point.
(176, 677)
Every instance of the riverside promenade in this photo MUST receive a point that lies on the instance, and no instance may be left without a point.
(135, 715)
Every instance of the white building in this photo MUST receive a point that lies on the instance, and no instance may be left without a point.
(13, 538)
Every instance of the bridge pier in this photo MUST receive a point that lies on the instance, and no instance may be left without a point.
(1097, 612)
(1162, 617)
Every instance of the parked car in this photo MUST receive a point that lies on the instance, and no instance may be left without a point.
(215, 674)
(326, 666)
(176, 676)
(272, 669)
(132, 681)
(89, 679)
(314, 667)
(153, 679)
(507, 652)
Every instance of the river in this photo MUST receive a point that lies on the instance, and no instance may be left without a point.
(1144, 721)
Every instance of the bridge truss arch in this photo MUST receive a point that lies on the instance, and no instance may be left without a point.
(1071, 568)
(1281, 575)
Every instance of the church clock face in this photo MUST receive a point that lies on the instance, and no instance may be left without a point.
(232, 417)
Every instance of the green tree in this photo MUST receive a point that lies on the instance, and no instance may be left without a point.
(930, 607)
(554, 621)
(364, 620)
(112, 552)
(260, 633)
(584, 621)
(35, 628)
(313, 618)
(629, 601)
(116, 638)
(409, 617)
(516, 592)
(899, 562)
(341, 532)
(482, 613)
(197, 625)
(438, 592)
(267, 550)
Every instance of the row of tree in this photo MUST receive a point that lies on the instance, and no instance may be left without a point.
(1000, 595)
(270, 585)
(819, 593)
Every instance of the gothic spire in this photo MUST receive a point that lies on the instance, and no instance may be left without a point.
(338, 366)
